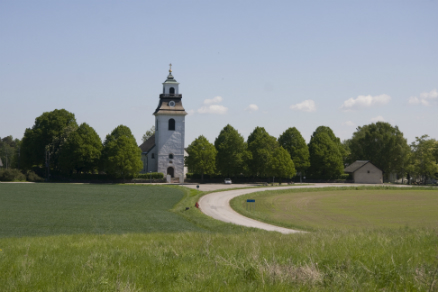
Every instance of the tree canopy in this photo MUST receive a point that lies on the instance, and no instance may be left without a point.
(382, 144)
(262, 146)
(148, 134)
(9, 152)
(281, 165)
(231, 152)
(121, 156)
(423, 158)
(292, 141)
(81, 151)
(202, 157)
(325, 156)
(45, 135)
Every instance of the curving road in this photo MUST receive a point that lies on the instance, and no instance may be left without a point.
(217, 205)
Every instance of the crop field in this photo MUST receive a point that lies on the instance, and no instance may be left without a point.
(351, 208)
(65, 237)
(50, 209)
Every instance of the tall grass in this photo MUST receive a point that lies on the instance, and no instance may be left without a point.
(389, 260)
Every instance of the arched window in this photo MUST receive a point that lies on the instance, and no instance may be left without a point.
(172, 90)
(171, 125)
(170, 156)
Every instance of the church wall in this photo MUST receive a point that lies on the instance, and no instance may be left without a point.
(170, 142)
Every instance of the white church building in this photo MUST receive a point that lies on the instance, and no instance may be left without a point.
(164, 151)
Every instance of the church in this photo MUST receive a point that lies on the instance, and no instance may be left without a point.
(164, 151)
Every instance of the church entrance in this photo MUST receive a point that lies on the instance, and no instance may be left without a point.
(170, 171)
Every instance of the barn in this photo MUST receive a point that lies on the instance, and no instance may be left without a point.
(364, 172)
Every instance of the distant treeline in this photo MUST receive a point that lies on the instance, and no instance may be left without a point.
(56, 145)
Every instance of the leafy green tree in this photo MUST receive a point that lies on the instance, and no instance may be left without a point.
(262, 146)
(382, 144)
(325, 156)
(148, 134)
(294, 143)
(202, 157)
(121, 156)
(81, 151)
(423, 160)
(46, 133)
(231, 152)
(9, 152)
(347, 152)
(281, 165)
(342, 150)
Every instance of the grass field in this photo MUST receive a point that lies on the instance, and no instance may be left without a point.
(50, 209)
(148, 241)
(344, 208)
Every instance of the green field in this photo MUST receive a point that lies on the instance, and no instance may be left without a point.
(50, 209)
(66, 237)
(344, 208)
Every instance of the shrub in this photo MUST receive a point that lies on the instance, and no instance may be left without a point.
(11, 174)
(32, 176)
(344, 176)
(151, 175)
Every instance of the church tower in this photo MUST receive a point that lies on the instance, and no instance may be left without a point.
(170, 130)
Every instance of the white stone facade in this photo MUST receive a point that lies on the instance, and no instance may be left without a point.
(170, 142)
(164, 151)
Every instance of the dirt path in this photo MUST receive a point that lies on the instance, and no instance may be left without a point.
(217, 205)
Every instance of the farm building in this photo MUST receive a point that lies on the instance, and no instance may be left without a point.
(364, 172)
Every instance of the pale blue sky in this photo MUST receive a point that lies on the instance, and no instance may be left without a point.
(105, 62)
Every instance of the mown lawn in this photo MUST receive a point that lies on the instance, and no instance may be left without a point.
(189, 251)
(344, 208)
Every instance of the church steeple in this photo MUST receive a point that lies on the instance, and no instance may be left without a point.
(170, 100)
(170, 86)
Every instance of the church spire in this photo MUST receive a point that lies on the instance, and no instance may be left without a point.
(170, 76)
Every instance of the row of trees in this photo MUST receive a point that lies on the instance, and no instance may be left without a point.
(263, 155)
(58, 143)
(325, 157)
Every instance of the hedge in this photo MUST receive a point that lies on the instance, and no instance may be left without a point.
(344, 176)
(151, 175)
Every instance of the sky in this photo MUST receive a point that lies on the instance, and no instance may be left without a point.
(272, 64)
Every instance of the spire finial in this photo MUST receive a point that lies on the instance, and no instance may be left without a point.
(170, 67)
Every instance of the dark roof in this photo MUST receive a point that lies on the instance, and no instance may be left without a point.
(355, 166)
(165, 108)
(148, 144)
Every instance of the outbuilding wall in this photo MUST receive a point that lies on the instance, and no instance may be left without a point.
(368, 174)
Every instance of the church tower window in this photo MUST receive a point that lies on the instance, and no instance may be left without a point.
(170, 156)
(172, 90)
(171, 125)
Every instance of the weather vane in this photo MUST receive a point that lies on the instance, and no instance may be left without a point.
(170, 69)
